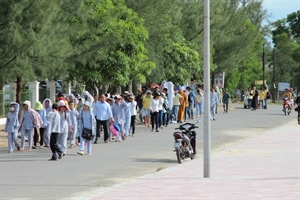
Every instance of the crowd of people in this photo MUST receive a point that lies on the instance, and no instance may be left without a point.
(53, 124)
(72, 117)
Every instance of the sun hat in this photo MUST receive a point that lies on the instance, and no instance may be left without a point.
(62, 104)
(87, 103)
(38, 106)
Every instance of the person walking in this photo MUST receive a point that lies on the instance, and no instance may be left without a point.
(214, 101)
(254, 103)
(47, 105)
(12, 126)
(118, 112)
(199, 99)
(297, 102)
(65, 126)
(262, 98)
(249, 95)
(126, 97)
(29, 119)
(139, 100)
(54, 129)
(73, 132)
(154, 109)
(39, 137)
(176, 104)
(225, 100)
(146, 107)
(167, 115)
(183, 104)
(87, 121)
(132, 106)
(103, 114)
(191, 100)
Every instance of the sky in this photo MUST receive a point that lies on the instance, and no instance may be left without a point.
(279, 9)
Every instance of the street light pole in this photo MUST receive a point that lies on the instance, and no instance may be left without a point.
(263, 64)
(206, 133)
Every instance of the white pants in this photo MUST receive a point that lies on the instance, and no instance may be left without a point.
(73, 135)
(47, 136)
(212, 112)
(127, 126)
(12, 138)
(29, 134)
(62, 141)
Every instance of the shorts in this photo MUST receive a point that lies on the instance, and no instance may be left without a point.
(147, 112)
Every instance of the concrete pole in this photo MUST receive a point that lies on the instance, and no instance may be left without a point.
(207, 128)
(51, 86)
(34, 87)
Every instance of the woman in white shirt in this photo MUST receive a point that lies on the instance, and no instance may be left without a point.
(154, 109)
(132, 106)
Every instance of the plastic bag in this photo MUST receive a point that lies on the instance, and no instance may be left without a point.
(113, 130)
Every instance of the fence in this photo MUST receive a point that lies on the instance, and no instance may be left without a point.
(5, 97)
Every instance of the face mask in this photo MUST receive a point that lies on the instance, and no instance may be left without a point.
(12, 109)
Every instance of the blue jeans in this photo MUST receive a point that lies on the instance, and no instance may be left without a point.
(213, 112)
(249, 103)
(154, 119)
(190, 110)
(140, 115)
(160, 115)
(175, 112)
(198, 108)
(266, 104)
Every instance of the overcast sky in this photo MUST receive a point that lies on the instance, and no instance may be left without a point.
(279, 9)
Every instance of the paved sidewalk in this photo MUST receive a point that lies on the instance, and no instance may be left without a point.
(264, 167)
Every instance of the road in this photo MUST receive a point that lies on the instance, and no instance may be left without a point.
(29, 175)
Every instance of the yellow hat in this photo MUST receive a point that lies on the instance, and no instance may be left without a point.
(38, 106)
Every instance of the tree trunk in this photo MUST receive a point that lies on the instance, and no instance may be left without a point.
(18, 93)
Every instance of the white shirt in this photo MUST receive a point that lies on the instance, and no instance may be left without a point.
(154, 105)
(133, 108)
(160, 106)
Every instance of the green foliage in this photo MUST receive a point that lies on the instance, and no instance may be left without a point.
(111, 47)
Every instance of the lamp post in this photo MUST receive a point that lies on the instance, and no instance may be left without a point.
(207, 128)
(263, 64)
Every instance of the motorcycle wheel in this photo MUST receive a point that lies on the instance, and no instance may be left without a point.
(179, 155)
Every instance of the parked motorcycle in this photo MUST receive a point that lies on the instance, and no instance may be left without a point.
(185, 141)
(286, 106)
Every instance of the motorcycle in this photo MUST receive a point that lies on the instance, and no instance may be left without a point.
(185, 141)
(286, 106)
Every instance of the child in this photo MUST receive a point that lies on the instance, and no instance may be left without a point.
(86, 120)
(73, 117)
(54, 118)
(12, 126)
(65, 126)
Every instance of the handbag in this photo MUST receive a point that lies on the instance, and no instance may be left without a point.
(86, 134)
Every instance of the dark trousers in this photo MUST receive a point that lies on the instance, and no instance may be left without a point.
(105, 127)
(132, 123)
(36, 137)
(54, 146)
(154, 118)
(160, 115)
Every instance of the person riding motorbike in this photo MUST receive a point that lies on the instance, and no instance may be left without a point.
(288, 94)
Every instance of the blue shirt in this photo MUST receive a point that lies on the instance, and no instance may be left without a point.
(102, 111)
(73, 117)
(10, 122)
(119, 112)
(27, 121)
(86, 118)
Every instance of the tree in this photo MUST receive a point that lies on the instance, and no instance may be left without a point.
(111, 47)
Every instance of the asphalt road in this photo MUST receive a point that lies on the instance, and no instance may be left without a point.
(29, 175)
